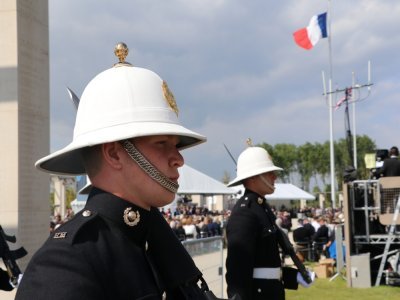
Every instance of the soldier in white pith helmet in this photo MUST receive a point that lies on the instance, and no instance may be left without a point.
(127, 139)
(253, 265)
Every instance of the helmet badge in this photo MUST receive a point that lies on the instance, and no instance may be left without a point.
(169, 97)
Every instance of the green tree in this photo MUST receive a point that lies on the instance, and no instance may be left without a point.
(342, 159)
(364, 145)
(305, 163)
(285, 156)
(312, 160)
(322, 162)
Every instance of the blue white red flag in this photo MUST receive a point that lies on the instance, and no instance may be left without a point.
(309, 36)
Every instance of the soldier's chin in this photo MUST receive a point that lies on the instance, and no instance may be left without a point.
(167, 198)
(272, 189)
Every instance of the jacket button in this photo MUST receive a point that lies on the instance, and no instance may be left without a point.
(87, 213)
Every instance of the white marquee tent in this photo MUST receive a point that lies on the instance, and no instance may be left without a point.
(284, 194)
(194, 182)
(284, 191)
(288, 191)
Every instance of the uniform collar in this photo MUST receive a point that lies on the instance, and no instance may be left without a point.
(132, 219)
(255, 196)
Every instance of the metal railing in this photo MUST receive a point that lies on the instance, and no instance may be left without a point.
(208, 254)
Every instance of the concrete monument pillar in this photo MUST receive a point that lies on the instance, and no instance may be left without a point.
(24, 123)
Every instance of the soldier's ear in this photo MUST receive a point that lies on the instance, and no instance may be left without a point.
(112, 154)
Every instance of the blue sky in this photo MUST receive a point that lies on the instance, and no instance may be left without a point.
(234, 68)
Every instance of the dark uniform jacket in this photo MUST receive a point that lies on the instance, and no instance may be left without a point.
(253, 243)
(391, 167)
(322, 234)
(304, 233)
(96, 255)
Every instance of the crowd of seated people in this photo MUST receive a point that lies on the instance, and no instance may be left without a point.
(315, 234)
(192, 222)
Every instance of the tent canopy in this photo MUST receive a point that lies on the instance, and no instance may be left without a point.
(194, 182)
(286, 191)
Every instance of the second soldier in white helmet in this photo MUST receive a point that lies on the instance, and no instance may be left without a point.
(253, 265)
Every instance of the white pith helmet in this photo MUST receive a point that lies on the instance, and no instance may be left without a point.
(251, 162)
(120, 103)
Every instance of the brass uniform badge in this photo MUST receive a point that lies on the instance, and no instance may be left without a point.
(169, 97)
(131, 218)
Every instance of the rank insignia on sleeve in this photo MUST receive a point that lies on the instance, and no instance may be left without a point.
(60, 235)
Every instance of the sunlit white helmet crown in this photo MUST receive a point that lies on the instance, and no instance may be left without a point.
(251, 162)
(120, 103)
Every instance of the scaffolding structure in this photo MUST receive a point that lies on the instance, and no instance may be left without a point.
(372, 225)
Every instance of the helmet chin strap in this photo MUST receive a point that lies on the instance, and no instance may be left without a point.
(266, 182)
(148, 168)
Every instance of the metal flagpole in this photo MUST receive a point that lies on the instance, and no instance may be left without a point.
(330, 93)
(354, 123)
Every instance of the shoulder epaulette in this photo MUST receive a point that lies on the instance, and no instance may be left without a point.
(70, 229)
(249, 199)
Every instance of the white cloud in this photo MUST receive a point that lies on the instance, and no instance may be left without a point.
(233, 66)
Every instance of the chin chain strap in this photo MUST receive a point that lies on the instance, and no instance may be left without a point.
(150, 170)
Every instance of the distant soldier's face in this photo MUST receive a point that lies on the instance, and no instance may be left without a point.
(263, 184)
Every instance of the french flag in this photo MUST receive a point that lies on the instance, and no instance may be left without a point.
(308, 37)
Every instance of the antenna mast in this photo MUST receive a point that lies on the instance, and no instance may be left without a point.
(352, 95)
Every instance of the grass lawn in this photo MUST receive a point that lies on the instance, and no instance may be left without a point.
(337, 290)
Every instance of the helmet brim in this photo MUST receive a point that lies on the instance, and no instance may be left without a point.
(238, 180)
(68, 161)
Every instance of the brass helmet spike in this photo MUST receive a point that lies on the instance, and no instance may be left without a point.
(249, 142)
(121, 51)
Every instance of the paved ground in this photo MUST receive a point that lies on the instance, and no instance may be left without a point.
(209, 265)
